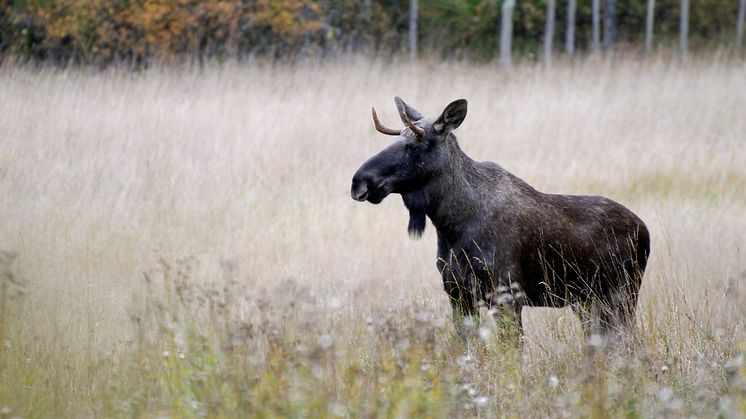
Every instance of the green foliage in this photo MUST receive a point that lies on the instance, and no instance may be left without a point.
(459, 28)
(101, 31)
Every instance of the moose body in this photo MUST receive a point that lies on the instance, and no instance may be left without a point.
(501, 242)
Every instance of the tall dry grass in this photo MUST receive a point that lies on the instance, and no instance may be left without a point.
(183, 242)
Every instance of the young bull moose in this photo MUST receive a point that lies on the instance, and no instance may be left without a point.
(500, 240)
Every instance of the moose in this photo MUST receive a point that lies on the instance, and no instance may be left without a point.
(501, 243)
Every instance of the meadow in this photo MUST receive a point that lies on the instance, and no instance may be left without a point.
(181, 242)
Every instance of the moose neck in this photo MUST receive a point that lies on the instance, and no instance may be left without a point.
(451, 200)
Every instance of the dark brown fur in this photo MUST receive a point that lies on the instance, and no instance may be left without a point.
(502, 242)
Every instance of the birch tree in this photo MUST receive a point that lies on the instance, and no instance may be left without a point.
(549, 31)
(739, 23)
(649, 26)
(596, 23)
(413, 15)
(609, 24)
(570, 34)
(506, 32)
(684, 28)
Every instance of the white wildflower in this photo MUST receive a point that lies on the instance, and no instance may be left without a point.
(484, 333)
(665, 394)
(325, 341)
(596, 340)
(553, 381)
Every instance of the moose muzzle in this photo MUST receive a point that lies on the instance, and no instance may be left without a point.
(368, 187)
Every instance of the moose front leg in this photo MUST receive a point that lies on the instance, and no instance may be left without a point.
(506, 300)
(458, 285)
(463, 305)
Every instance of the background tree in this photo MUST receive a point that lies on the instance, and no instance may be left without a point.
(596, 23)
(739, 23)
(609, 24)
(570, 33)
(413, 16)
(649, 16)
(549, 31)
(684, 28)
(506, 32)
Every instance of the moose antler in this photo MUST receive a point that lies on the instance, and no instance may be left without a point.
(418, 132)
(380, 128)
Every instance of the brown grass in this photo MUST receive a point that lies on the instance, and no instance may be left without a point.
(229, 188)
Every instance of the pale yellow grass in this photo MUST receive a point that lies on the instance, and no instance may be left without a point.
(104, 173)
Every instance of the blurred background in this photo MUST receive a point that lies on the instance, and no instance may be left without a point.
(140, 31)
(177, 237)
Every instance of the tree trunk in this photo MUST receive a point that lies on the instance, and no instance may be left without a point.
(570, 35)
(549, 32)
(609, 24)
(596, 21)
(506, 32)
(649, 26)
(413, 14)
(684, 28)
(739, 23)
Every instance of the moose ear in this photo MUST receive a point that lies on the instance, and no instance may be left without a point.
(405, 109)
(453, 115)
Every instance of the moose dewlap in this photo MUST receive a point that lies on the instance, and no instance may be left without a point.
(500, 241)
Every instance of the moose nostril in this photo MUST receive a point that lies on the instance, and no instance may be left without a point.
(359, 192)
(363, 183)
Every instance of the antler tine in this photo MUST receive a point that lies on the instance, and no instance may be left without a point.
(380, 128)
(418, 132)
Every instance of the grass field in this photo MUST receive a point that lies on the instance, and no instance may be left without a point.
(183, 242)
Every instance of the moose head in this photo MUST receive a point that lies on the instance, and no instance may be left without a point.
(419, 154)
(413, 159)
